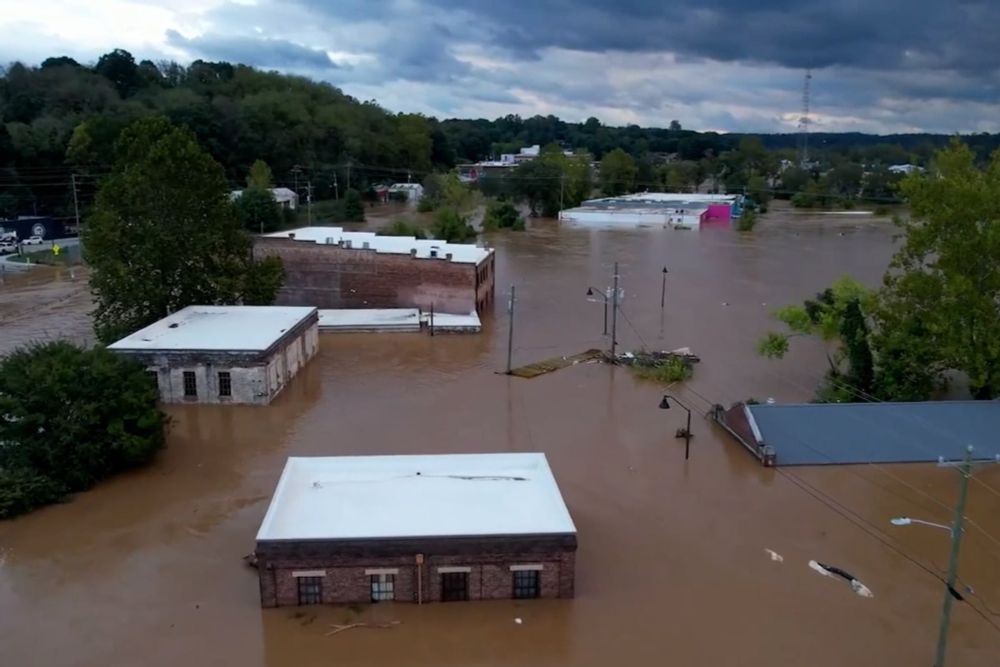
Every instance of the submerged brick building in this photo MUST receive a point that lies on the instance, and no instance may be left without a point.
(329, 268)
(419, 529)
(224, 354)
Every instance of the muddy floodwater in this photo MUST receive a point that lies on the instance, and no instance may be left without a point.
(673, 564)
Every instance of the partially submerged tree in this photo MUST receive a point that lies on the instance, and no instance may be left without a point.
(501, 214)
(163, 234)
(836, 315)
(451, 226)
(944, 283)
(71, 417)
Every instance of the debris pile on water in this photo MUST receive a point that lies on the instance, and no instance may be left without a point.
(666, 366)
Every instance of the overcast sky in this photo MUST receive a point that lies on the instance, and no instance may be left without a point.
(728, 65)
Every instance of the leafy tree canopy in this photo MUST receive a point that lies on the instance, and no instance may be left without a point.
(71, 418)
(164, 235)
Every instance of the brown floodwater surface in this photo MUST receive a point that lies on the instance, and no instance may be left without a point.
(672, 568)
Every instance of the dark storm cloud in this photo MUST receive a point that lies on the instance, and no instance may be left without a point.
(262, 52)
(867, 34)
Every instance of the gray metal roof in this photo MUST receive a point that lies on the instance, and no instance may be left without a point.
(824, 433)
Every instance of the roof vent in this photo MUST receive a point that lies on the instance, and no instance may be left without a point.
(331, 241)
(365, 245)
(347, 244)
(434, 252)
(448, 256)
(413, 252)
(291, 235)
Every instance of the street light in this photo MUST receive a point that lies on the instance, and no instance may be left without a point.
(665, 405)
(604, 298)
(663, 288)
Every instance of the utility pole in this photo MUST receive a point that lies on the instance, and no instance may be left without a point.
(614, 315)
(295, 175)
(663, 289)
(336, 190)
(76, 211)
(956, 544)
(309, 202)
(510, 327)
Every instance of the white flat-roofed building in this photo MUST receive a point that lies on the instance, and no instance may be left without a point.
(225, 354)
(415, 528)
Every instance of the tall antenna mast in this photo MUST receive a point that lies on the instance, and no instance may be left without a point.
(804, 123)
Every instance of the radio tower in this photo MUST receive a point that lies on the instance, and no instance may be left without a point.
(804, 123)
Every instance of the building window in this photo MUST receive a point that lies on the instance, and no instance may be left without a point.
(310, 590)
(225, 384)
(190, 384)
(525, 584)
(454, 586)
(383, 587)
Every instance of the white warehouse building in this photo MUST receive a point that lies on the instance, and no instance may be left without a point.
(225, 354)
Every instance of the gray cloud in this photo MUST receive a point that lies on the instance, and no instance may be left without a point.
(260, 51)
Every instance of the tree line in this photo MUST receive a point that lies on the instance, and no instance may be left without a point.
(63, 117)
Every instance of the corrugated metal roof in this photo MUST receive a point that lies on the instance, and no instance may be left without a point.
(824, 433)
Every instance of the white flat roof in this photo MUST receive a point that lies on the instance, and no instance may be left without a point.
(217, 328)
(461, 253)
(368, 316)
(443, 495)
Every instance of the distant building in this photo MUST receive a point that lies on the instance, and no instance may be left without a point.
(328, 267)
(224, 354)
(413, 191)
(285, 197)
(904, 168)
(667, 209)
(471, 172)
(360, 529)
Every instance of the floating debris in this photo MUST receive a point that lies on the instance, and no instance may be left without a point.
(832, 571)
(350, 626)
(775, 556)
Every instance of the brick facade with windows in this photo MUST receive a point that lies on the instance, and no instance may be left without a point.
(335, 276)
(490, 563)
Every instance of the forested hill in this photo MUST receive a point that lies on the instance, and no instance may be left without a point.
(61, 118)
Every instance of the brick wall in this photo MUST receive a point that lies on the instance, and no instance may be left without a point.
(344, 566)
(330, 276)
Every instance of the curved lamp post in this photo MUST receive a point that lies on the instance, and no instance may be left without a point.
(665, 405)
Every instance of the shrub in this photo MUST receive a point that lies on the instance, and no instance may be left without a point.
(401, 227)
(671, 369)
(354, 210)
(747, 221)
(451, 227)
(71, 418)
(501, 214)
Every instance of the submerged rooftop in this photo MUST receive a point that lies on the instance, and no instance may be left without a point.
(829, 433)
(217, 328)
(461, 253)
(449, 495)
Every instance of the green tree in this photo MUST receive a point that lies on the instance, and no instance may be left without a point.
(451, 226)
(258, 211)
(354, 210)
(758, 190)
(836, 315)
(400, 227)
(163, 234)
(260, 176)
(501, 214)
(71, 418)
(618, 171)
(119, 68)
(945, 280)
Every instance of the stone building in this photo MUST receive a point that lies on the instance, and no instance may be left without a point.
(225, 354)
(358, 529)
(329, 268)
